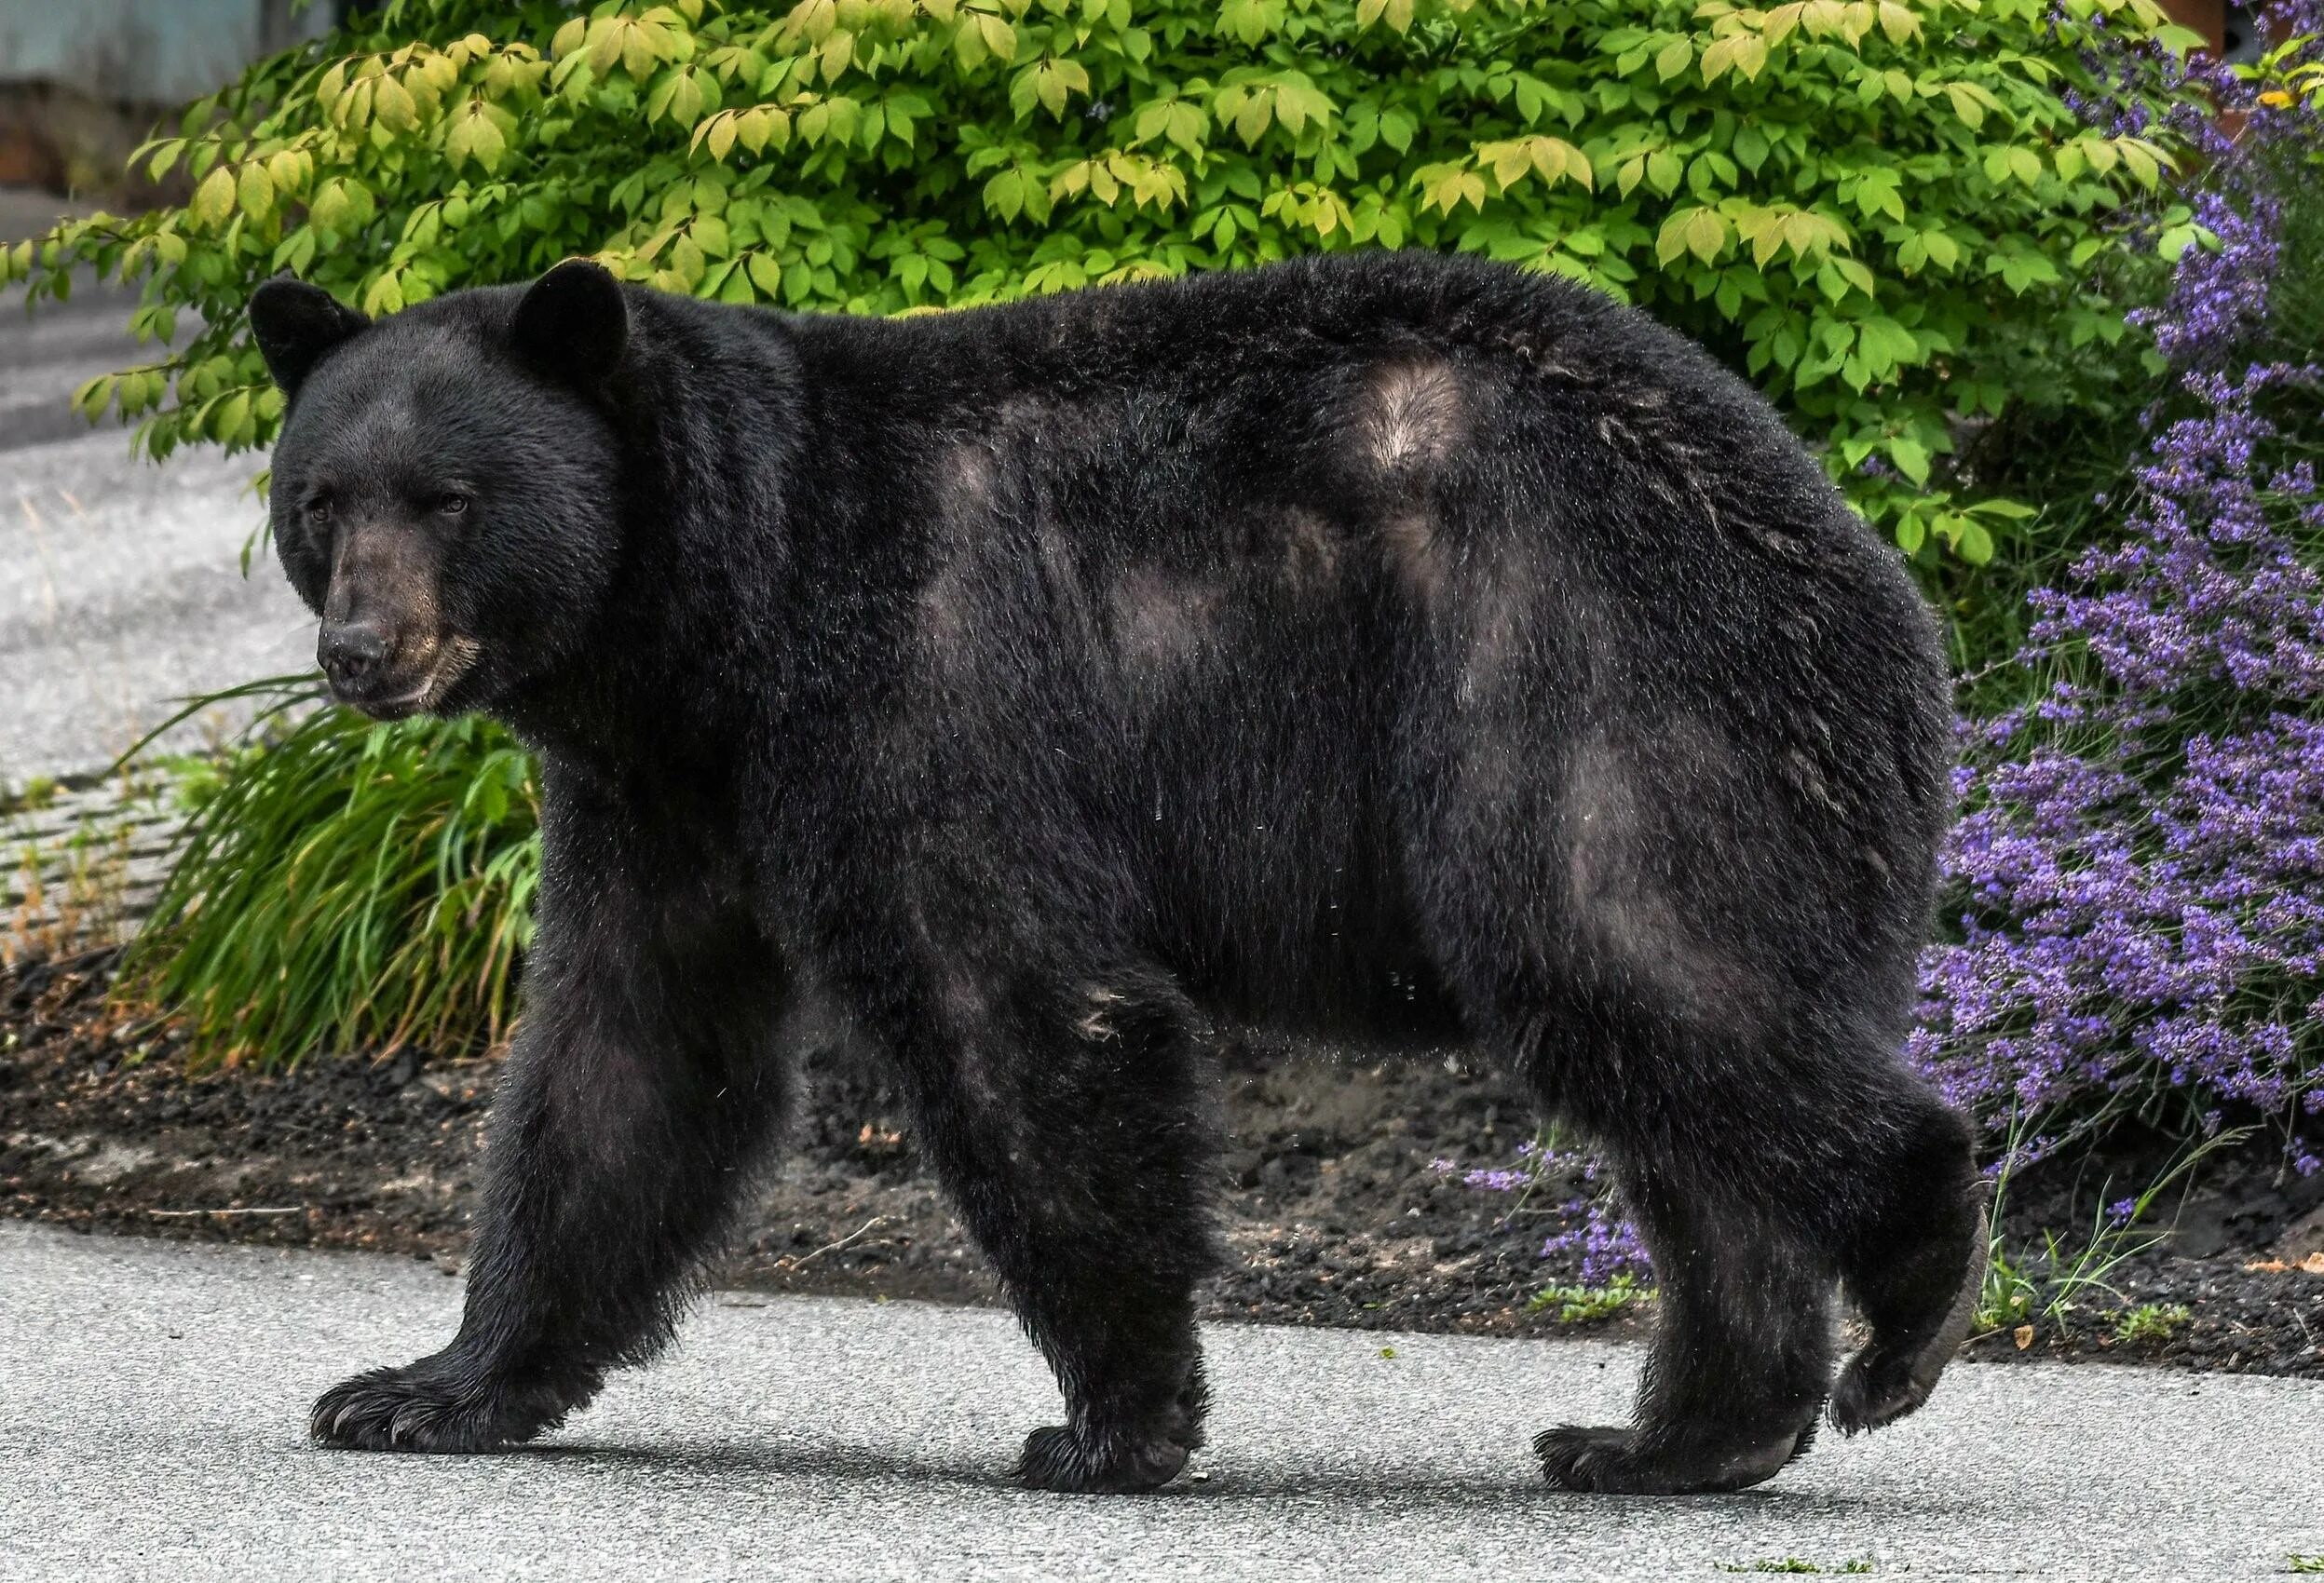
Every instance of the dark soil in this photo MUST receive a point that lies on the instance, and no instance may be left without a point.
(1330, 1205)
(2236, 1239)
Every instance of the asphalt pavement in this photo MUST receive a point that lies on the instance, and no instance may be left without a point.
(120, 582)
(153, 1399)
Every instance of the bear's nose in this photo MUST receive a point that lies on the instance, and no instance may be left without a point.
(350, 651)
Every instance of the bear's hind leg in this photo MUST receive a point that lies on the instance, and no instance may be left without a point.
(1913, 1260)
(1067, 1130)
(1740, 1361)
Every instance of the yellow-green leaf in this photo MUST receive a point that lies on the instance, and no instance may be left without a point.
(255, 192)
(384, 295)
(213, 200)
(1698, 231)
(394, 105)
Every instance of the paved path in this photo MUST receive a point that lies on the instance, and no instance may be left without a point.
(121, 584)
(152, 1398)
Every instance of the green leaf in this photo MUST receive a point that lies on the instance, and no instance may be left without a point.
(1911, 458)
(91, 398)
(384, 295)
(1745, 52)
(393, 104)
(1250, 20)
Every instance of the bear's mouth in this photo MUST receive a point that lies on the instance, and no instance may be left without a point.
(452, 660)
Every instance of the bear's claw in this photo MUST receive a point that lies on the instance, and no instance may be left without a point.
(425, 1408)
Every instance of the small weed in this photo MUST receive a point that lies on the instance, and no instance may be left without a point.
(38, 792)
(2306, 1563)
(68, 896)
(1856, 1568)
(2151, 1321)
(195, 779)
(2026, 1289)
(1589, 1304)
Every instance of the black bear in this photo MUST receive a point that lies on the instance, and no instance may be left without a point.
(1392, 649)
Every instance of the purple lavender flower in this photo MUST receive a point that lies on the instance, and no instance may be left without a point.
(2138, 871)
(1609, 1247)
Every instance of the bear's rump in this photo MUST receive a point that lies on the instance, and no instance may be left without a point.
(1427, 650)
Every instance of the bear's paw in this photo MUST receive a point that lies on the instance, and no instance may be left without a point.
(429, 1407)
(1621, 1462)
(1066, 1461)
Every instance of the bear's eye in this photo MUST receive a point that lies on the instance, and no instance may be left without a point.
(319, 511)
(452, 504)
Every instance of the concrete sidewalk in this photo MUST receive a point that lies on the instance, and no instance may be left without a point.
(153, 1400)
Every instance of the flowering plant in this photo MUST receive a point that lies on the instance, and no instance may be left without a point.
(2137, 878)
(1588, 1226)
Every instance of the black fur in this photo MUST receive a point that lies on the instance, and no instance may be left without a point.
(1389, 649)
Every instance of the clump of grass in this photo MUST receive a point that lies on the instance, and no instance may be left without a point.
(345, 884)
(1793, 1564)
(1590, 1305)
(2151, 1321)
(37, 793)
(2049, 1288)
(2304, 1564)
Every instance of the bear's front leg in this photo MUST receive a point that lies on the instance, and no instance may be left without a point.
(641, 1086)
(1064, 1119)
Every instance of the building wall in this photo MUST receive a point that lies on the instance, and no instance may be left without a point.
(145, 51)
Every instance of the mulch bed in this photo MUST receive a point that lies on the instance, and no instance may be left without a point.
(1328, 1202)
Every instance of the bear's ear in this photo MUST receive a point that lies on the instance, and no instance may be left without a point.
(572, 323)
(294, 325)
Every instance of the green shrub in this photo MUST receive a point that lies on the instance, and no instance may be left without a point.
(1883, 210)
(343, 885)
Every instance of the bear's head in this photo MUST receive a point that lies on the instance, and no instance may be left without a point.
(445, 486)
